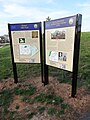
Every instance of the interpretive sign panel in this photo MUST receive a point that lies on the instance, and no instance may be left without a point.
(59, 42)
(61, 46)
(26, 42)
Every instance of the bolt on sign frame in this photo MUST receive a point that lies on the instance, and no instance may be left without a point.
(61, 46)
(26, 45)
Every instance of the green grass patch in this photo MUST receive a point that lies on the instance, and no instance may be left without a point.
(41, 109)
(25, 99)
(26, 71)
(48, 98)
(12, 115)
(64, 106)
(52, 111)
(5, 63)
(25, 92)
(6, 98)
(58, 112)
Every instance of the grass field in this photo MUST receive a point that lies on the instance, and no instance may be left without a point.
(31, 70)
(35, 98)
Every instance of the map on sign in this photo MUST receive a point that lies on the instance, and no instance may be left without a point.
(26, 42)
(28, 50)
(53, 56)
(25, 50)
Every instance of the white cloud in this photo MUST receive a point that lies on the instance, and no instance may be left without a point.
(85, 11)
(25, 14)
(50, 1)
(22, 13)
(15, 11)
(3, 29)
(14, 1)
(84, 5)
(59, 14)
(26, 2)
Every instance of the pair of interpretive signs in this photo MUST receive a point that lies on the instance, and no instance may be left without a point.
(61, 44)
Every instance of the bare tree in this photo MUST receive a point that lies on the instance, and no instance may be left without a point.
(48, 18)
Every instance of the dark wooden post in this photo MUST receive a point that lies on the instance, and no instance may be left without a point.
(76, 54)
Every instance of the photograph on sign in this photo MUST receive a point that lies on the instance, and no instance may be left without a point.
(59, 42)
(62, 56)
(34, 34)
(26, 42)
(58, 35)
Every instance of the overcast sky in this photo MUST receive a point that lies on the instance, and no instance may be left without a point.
(18, 11)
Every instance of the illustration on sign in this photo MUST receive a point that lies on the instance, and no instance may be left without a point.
(21, 40)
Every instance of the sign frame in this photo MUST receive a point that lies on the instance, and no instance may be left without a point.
(75, 55)
(12, 53)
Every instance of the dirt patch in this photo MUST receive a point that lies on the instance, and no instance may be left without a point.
(17, 104)
(7, 84)
(78, 105)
